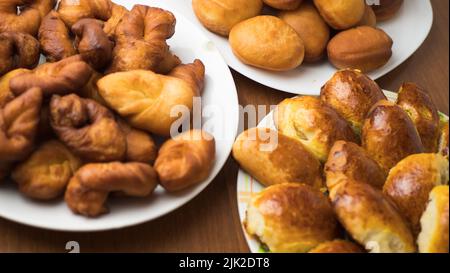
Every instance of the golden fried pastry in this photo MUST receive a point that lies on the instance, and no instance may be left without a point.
(272, 158)
(267, 42)
(89, 188)
(90, 90)
(55, 38)
(352, 94)
(6, 95)
(19, 120)
(423, 112)
(87, 128)
(341, 14)
(283, 4)
(389, 135)
(369, 18)
(443, 142)
(411, 181)
(63, 77)
(141, 39)
(46, 173)
(313, 30)
(185, 160)
(220, 16)
(434, 235)
(348, 161)
(290, 217)
(24, 15)
(17, 50)
(140, 145)
(364, 48)
(337, 246)
(146, 99)
(386, 9)
(313, 123)
(93, 44)
(371, 219)
(169, 62)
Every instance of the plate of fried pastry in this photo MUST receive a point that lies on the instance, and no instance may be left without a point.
(296, 45)
(354, 170)
(101, 123)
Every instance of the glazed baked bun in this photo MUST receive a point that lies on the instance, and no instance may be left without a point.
(352, 94)
(389, 135)
(434, 222)
(291, 218)
(337, 246)
(371, 219)
(272, 158)
(283, 4)
(348, 161)
(313, 123)
(219, 16)
(267, 42)
(411, 181)
(423, 112)
(443, 142)
(341, 14)
(313, 30)
(387, 9)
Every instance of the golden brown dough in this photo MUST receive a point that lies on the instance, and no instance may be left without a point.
(91, 185)
(341, 14)
(17, 50)
(434, 222)
(423, 112)
(267, 42)
(290, 217)
(140, 145)
(23, 15)
(186, 160)
(352, 94)
(6, 95)
(141, 39)
(365, 48)
(310, 26)
(63, 77)
(283, 4)
(389, 135)
(55, 38)
(443, 142)
(337, 246)
(219, 16)
(146, 99)
(387, 9)
(46, 173)
(92, 43)
(19, 120)
(411, 181)
(371, 219)
(272, 158)
(313, 123)
(90, 90)
(348, 161)
(87, 128)
(369, 18)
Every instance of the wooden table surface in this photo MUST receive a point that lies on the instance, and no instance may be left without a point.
(210, 222)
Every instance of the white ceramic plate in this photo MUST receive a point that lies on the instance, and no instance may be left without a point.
(247, 185)
(188, 43)
(408, 30)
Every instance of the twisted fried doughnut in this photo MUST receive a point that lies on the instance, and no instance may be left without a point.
(17, 50)
(23, 15)
(87, 128)
(140, 145)
(185, 160)
(93, 44)
(6, 95)
(63, 77)
(55, 38)
(19, 121)
(141, 39)
(90, 186)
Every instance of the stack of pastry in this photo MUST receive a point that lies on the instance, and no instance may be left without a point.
(81, 125)
(350, 162)
(287, 33)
